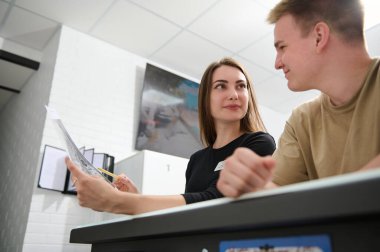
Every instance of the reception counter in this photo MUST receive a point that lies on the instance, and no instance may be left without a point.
(335, 214)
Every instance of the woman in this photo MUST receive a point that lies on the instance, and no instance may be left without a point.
(228, 118)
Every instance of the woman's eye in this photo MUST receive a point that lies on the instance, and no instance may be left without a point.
(242, 86)
(219, 86)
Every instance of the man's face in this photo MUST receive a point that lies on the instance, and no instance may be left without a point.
(295, 54)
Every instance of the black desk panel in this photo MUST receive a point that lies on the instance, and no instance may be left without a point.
(348, 213)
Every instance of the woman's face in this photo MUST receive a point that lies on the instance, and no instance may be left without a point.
(229, 95)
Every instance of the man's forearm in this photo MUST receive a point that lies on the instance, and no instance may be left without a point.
(374, 163)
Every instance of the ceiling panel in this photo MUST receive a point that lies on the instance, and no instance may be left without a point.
(248, 24)
(269, 4)
(181, 12)
(28, 29)
(257, 73)
(189, 54)
(135, 29)
(81, 15)
(262, 53)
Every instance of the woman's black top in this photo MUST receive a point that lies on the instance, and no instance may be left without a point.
(204, 166)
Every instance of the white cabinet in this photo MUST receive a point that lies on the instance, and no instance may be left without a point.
(155, 173)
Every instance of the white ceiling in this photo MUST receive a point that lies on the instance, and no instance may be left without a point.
(184, 35)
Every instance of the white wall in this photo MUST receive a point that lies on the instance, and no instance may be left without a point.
(21, 125)
(274, 121)
(373, 40)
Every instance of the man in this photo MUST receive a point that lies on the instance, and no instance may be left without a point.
(320, 45)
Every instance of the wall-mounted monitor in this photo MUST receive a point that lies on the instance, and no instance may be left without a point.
(168, 120)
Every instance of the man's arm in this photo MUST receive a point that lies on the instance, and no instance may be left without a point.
(374, 163)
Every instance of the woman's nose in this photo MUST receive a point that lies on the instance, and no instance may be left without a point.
(233, 95)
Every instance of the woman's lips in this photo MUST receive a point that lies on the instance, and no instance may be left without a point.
(232, 107)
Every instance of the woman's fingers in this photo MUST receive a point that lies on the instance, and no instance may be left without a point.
(125, 184)
(76, 172)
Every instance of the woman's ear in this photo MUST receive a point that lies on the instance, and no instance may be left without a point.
(321, 34)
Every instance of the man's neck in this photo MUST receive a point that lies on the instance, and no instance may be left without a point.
(345, 76)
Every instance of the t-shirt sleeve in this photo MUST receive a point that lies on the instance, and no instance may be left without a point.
(290, 165)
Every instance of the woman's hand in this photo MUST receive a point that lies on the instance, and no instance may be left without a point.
(92, 191)
(95, 193)
(125, 184)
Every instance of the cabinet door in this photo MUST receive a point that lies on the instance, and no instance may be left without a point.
(133, 167)
(163, 174)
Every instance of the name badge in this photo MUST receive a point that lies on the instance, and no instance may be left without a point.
(219, 166)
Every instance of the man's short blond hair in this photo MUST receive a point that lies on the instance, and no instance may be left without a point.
(344, 17)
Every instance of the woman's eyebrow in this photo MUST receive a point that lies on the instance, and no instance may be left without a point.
(224, 81)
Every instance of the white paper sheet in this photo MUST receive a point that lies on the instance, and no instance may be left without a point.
(74, 153)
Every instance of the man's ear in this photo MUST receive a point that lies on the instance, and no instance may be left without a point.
(321, 34)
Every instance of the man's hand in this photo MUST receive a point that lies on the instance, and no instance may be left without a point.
(244, 171)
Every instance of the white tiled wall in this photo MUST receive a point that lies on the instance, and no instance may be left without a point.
(93, 89)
